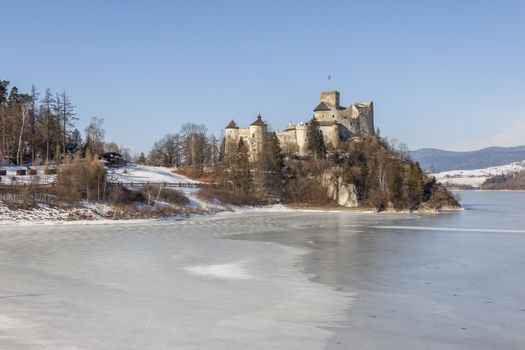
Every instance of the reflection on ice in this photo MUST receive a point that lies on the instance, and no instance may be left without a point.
(235, 271)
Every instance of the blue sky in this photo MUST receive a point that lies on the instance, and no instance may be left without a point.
(448, 74)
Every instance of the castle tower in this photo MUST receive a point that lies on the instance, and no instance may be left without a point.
(301, 135)
(257, 132)
(328, 110)
(330, 97)
(231, 137)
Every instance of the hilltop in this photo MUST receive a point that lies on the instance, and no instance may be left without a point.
(436, 160)
(475, 178)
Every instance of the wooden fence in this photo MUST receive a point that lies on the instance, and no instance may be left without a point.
(160, 184)
(25, 198)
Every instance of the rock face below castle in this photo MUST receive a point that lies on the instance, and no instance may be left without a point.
(337, 123)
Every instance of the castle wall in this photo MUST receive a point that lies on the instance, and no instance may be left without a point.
(288, 140)
(252, 136)
(336, 124)
(231, 139)
(332, 115)
(330, 135)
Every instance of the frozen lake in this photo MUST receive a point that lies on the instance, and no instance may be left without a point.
(287, 280)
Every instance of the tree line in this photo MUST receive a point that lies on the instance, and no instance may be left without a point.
(39, 128)
(191, 146)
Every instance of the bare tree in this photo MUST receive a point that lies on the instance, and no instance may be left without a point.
(213, 150)
(194, 140)
(95, 136)
(66, 115)
(380, 175)
(33, 116)
(166, 151)
(47, 103)
(23, 115)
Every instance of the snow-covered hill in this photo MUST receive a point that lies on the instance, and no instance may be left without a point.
(157, 175)
(476, 177)
(441, 160)
(143, 173)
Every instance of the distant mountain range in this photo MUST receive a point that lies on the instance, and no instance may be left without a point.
(436, 160)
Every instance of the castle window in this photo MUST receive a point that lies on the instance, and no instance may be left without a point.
(333, 116)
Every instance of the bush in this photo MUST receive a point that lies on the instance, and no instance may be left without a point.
(306, 191)
(168, 195)
(225, 196)
(124, 196)
(200, 173)
(81, 178)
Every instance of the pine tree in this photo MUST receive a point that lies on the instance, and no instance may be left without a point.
(396, 191)
(141, 159)
(66, 114)
(416, 182)
(74, 142)
(275, 173)
(242, 178)
(315, 139)
(4, 84)
(277, 160)
(45, 118)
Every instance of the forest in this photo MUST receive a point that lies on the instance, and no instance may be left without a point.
(39, 128)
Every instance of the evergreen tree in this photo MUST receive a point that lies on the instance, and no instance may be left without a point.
(396, 190)
(4, 84)
(315, 139)
(277, 159)
(74, 142)
(416, 182)
(32, 128)
(141, 159)
(275, 173)
(66, 114)
(242, 178)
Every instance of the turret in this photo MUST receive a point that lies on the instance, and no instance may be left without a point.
(231, 136)
(302, 138)
(257, 132)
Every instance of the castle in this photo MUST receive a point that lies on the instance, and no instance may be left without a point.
(337, 124)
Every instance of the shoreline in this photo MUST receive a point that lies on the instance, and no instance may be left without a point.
(273, 208)
(454, 189)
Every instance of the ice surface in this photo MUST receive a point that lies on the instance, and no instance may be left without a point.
(158, 285)
(271, 280)
(234, 270)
